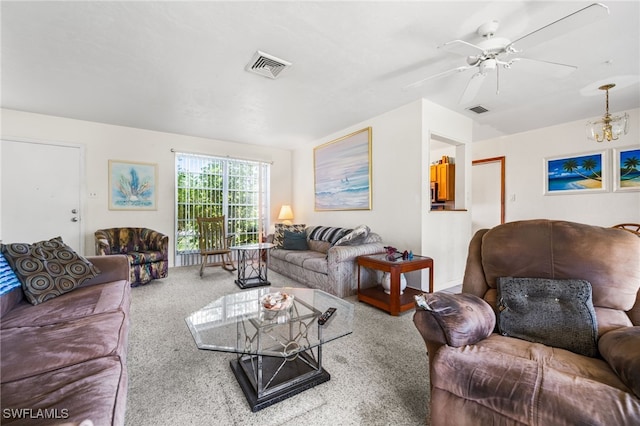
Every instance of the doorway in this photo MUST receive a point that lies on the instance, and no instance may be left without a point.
(41, 187)
(488, 193)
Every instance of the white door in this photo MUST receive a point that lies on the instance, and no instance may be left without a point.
(487, 194)
(40, 193)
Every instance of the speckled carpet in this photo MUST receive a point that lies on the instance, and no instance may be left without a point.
(379, 373)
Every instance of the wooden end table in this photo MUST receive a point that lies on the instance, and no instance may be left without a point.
(394, 303)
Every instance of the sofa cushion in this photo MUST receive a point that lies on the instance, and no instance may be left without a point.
(355, 237)
(295, 240)
(556, 313)
(67, 343)
(327, 233)
(8, 279)
(278, 236)
(142, 257)
(316, 264)
(48, 269)
(528, 383)
(319, 246)
(83, 302)
(621, 349)
(94, 390)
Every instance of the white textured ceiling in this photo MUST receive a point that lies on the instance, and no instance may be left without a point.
(179, 66)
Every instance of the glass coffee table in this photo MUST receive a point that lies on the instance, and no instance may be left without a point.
(279, 350)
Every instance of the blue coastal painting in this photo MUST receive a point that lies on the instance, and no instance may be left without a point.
(627, 170)
(343, 173)
(132, 186)
(582, 173)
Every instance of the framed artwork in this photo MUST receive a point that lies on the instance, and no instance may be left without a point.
(342, 173)
(626, 169)
(132, 186)
(576, 174)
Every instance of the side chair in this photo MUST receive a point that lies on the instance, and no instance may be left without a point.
(214, 241)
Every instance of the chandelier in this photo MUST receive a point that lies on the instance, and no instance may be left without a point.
(608, 127)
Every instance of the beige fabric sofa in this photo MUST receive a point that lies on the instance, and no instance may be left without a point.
(328, 267)
(481, 377)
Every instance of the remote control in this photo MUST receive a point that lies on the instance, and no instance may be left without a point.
(322, 319)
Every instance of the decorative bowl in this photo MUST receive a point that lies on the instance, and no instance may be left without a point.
(278, 301)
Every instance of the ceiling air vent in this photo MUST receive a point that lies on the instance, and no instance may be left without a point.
(478, 109)
(266, 65)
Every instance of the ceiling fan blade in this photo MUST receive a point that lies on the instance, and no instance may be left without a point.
(441, 74)
(473, 87)
(553, 69)
(462, 48)
(562, 26)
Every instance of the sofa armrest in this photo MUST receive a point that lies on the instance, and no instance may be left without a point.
(453, 319)
(112, 268)
(337, 254)
(103, 246)
(621, 349)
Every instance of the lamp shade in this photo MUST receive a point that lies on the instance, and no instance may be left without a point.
(286, 214)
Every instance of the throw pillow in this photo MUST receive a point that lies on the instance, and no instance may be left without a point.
(278, 236)
(556, 313)
(295, 241)
(355, 237)
(48, 269)
(8, 278)
(328, 233)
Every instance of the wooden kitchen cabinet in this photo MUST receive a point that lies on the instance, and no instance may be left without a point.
(445, 176)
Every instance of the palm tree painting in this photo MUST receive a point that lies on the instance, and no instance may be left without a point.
(627, 169)
(132, 186)
(575, 174)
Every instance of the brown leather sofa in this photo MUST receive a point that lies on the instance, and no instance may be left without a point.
(479, 376)
(63, 361)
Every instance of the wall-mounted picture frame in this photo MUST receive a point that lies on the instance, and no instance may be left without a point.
(132, 185)
(626, 169)
(342, 173)
(576, 174)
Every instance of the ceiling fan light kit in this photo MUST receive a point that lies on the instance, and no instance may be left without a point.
(495, 52)
(609, 127)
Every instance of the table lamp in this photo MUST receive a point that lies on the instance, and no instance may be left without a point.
(286, 214)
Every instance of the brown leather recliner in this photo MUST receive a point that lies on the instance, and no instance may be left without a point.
(479, 376)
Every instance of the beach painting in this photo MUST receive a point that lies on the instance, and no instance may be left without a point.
(132, 186)
(576, 174)
(626, 168)
(342, 173)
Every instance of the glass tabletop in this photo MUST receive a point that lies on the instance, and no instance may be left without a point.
(240, 323)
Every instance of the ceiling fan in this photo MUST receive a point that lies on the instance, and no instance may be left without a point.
(494, 52)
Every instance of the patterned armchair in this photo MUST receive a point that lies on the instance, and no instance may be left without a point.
(147, 250)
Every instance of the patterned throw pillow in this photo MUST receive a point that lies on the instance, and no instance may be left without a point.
(278, 236)
(8, 278)
(355, 237)
(328, 233)
(47, 269)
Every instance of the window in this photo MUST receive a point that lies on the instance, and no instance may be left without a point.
(212, 186)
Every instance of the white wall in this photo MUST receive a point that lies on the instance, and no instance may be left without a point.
(103, 142)
(525, 155)
(400, 188)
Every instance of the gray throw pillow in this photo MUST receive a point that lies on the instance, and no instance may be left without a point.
(355, 237)
(295, 241)
(556, 313)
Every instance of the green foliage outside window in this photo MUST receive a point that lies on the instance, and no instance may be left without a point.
(209, 186)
